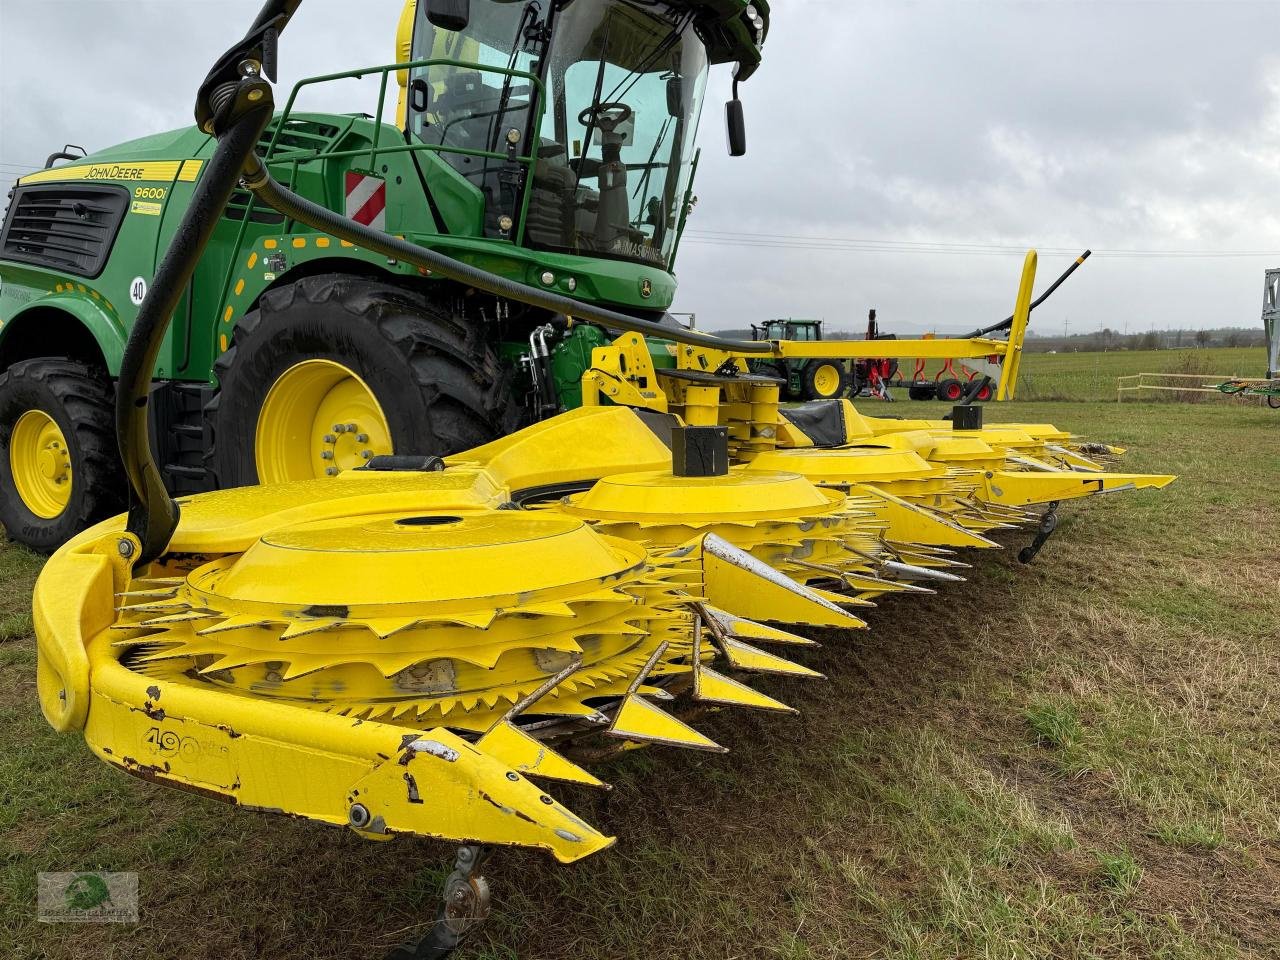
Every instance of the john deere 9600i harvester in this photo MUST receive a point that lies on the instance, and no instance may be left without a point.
(415, 646)
(547, 144)
(550, 144)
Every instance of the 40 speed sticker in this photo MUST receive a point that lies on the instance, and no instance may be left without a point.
(138, 291)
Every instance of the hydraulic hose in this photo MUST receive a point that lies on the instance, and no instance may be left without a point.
(1006, 323)
(153, 515)
(271, 192)
(976, 387)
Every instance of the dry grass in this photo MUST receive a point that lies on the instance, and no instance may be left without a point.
(1076, 759)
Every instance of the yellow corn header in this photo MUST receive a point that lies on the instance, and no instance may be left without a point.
(424, 647)
(420, 652)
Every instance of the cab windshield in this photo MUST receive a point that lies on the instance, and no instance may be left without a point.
(625, 82)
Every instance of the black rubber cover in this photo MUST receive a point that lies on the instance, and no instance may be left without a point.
(394, 464)
(700, 451)
(822, 421)
(966, 417)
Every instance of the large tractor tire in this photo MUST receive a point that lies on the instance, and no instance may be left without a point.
(59, 467)
(824, 380)
(334, 370)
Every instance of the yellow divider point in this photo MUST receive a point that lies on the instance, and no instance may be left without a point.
(743, 656)
(510, 745)
(750, 630)
(638, 719)
(751, 588)
(712, 687)
(909, 523)
(1026, 488)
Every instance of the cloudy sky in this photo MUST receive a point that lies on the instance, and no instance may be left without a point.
(902, 156)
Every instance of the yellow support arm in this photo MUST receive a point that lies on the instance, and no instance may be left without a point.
(623, 372)
(1021, 317)
(937, 349)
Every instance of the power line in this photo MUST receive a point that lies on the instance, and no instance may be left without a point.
(941, 247)
(867, 245)
(737, 234)
(847, 249)
(1018, 252)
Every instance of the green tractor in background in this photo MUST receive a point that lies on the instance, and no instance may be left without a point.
(801, 379)
(550, 143)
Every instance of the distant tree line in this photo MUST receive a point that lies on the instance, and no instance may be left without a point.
(1106, 340)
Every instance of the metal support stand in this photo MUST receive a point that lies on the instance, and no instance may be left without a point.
(1048, 524)
(464, 907)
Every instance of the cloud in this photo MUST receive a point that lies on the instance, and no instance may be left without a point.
(1117, 126)
(1122, 126)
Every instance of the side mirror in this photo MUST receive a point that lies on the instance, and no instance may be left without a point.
(419, 95)
(449, 14)
(675, 97)
(736, 123)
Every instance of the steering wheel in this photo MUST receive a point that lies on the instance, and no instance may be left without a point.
(607, 116)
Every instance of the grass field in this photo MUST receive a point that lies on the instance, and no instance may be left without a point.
(1092, 376)
(1076, 759)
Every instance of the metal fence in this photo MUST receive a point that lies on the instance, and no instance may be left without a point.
(1187, 387)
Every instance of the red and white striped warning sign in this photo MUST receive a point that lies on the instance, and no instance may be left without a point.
(367, 199)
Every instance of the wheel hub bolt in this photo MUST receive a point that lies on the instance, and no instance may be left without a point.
(326, 454)
(330, 438)
(366, 454)
(49, 464)
(362, 438)
(339, 428)
(331, 472)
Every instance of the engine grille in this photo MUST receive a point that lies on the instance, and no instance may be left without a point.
(64, 227)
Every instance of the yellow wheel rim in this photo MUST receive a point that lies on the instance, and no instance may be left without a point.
(318, 420)
(41, 464)
(826, 380)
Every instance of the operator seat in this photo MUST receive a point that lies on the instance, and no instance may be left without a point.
(550, 217)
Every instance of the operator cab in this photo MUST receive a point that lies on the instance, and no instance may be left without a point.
(613, 133)
(795, 330)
